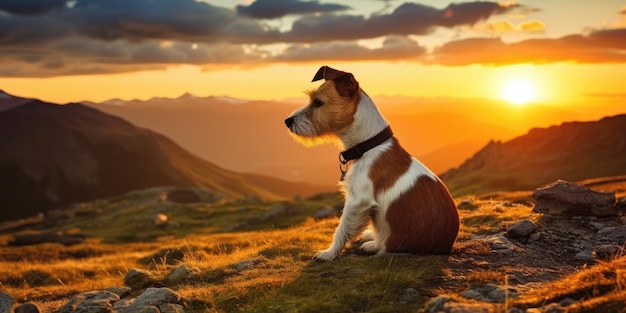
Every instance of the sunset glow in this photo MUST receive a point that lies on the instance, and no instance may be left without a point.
(519, 92)
(472, 49)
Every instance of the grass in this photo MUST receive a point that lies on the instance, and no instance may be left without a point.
(266, 266)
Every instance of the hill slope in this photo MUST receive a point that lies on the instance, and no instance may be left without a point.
(571, 151)
(53, 155)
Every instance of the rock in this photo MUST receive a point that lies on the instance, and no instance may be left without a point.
(534, 237)
(165, 256)
(614, 234)
(47, 237)
(522, 228)
(157, 297)
(160, 220)
(567, 302)
(569, 199)
(437, 304)
(284, 209)
(324, 213)
(27, 307)
(6, 302)
(490, 293)
(596, 226)
(171, 308)
(473, 294)
(182, 196)
(584, 255)
(608, 252)
(122, 291)
(91, 302)
(139, 279)
(410, 295)
(181, 273)
(500, 244)
(137, 309)
(245, 264)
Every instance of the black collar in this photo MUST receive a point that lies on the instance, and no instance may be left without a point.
(358, 150)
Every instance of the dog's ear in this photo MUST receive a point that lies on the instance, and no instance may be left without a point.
(327, 73)
(346, 85)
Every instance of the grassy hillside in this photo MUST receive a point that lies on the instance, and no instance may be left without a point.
(264, 263)
(571, 151)
(53, 155)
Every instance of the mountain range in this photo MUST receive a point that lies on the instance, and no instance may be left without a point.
(53, 155)
(250, 136)
(570, 151)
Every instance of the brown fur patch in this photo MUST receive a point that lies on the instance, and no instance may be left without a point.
(423, 220)
(336, 113)
(389, 166)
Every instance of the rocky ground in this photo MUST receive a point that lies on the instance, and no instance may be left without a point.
(517, 252)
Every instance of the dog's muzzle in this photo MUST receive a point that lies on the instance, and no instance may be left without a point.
(289, 122)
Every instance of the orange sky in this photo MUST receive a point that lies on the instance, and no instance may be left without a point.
(569, 52)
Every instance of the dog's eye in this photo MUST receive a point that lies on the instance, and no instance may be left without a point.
(317, 103)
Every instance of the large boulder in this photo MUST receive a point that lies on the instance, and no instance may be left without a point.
(568, 199)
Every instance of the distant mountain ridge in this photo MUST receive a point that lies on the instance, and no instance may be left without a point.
(572, 151)
(52, 155)
(208, 127)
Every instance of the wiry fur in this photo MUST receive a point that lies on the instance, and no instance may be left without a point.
(409, 208)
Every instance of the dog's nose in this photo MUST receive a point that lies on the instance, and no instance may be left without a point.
(289, 122)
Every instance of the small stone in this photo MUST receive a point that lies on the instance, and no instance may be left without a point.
(171, 308)
(6, 302)
(27, 307)
(608, 252)
(534, 237)
(324, 213)
(91, 302)
(409, 296)
(140, 309)
(139, 279)
(522, 228)
(157, 296)
(584, 255)
(596, 226)
(473, 294)
(245, 264)
(180, 273)
(567, 302)
(122, 291)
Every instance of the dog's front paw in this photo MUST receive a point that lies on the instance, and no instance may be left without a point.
(324, 255)
(370, 246)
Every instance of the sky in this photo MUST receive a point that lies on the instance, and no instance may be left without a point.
(73, 50)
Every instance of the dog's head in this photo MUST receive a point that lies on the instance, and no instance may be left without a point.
(331, 107)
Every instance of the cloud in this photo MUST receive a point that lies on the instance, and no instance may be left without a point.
(31, 7)
(407, 19)
(393, 48)
(601, 46)
(504, 26)
(47, 38)
(270, 9)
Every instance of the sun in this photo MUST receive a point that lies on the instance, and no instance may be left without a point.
(519, 92)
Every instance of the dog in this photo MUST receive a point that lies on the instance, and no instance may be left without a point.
(409, 207)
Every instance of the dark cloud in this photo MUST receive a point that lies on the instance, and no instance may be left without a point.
(270, 9)
(407, 19)
(30, 7)
(50, 38)
(393, 48)
(602, 46)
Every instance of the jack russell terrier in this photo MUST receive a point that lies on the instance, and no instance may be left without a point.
(409, 207)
